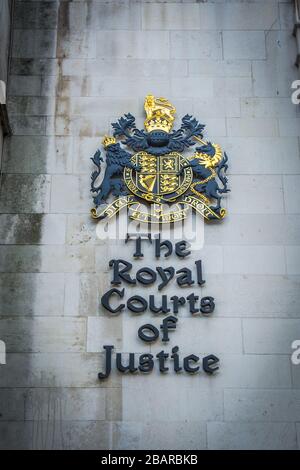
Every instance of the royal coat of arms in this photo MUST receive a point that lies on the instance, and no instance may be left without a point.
(158, 172)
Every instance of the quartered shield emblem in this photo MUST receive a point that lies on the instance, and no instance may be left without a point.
(159, 171)
(159, 179)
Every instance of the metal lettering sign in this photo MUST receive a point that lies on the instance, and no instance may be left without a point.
(170, 306)
(158, 173)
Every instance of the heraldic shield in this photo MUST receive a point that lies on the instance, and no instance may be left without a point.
(159, 171)
(160, 178)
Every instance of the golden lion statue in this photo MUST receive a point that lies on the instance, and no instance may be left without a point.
(156, 107)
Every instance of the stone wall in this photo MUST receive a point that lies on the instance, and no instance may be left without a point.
(76, 66)
(5, 21)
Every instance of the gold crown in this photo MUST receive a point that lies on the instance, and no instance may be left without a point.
(107, 140)
(160, 114)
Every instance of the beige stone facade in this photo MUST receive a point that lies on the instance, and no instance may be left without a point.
(75, 67)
